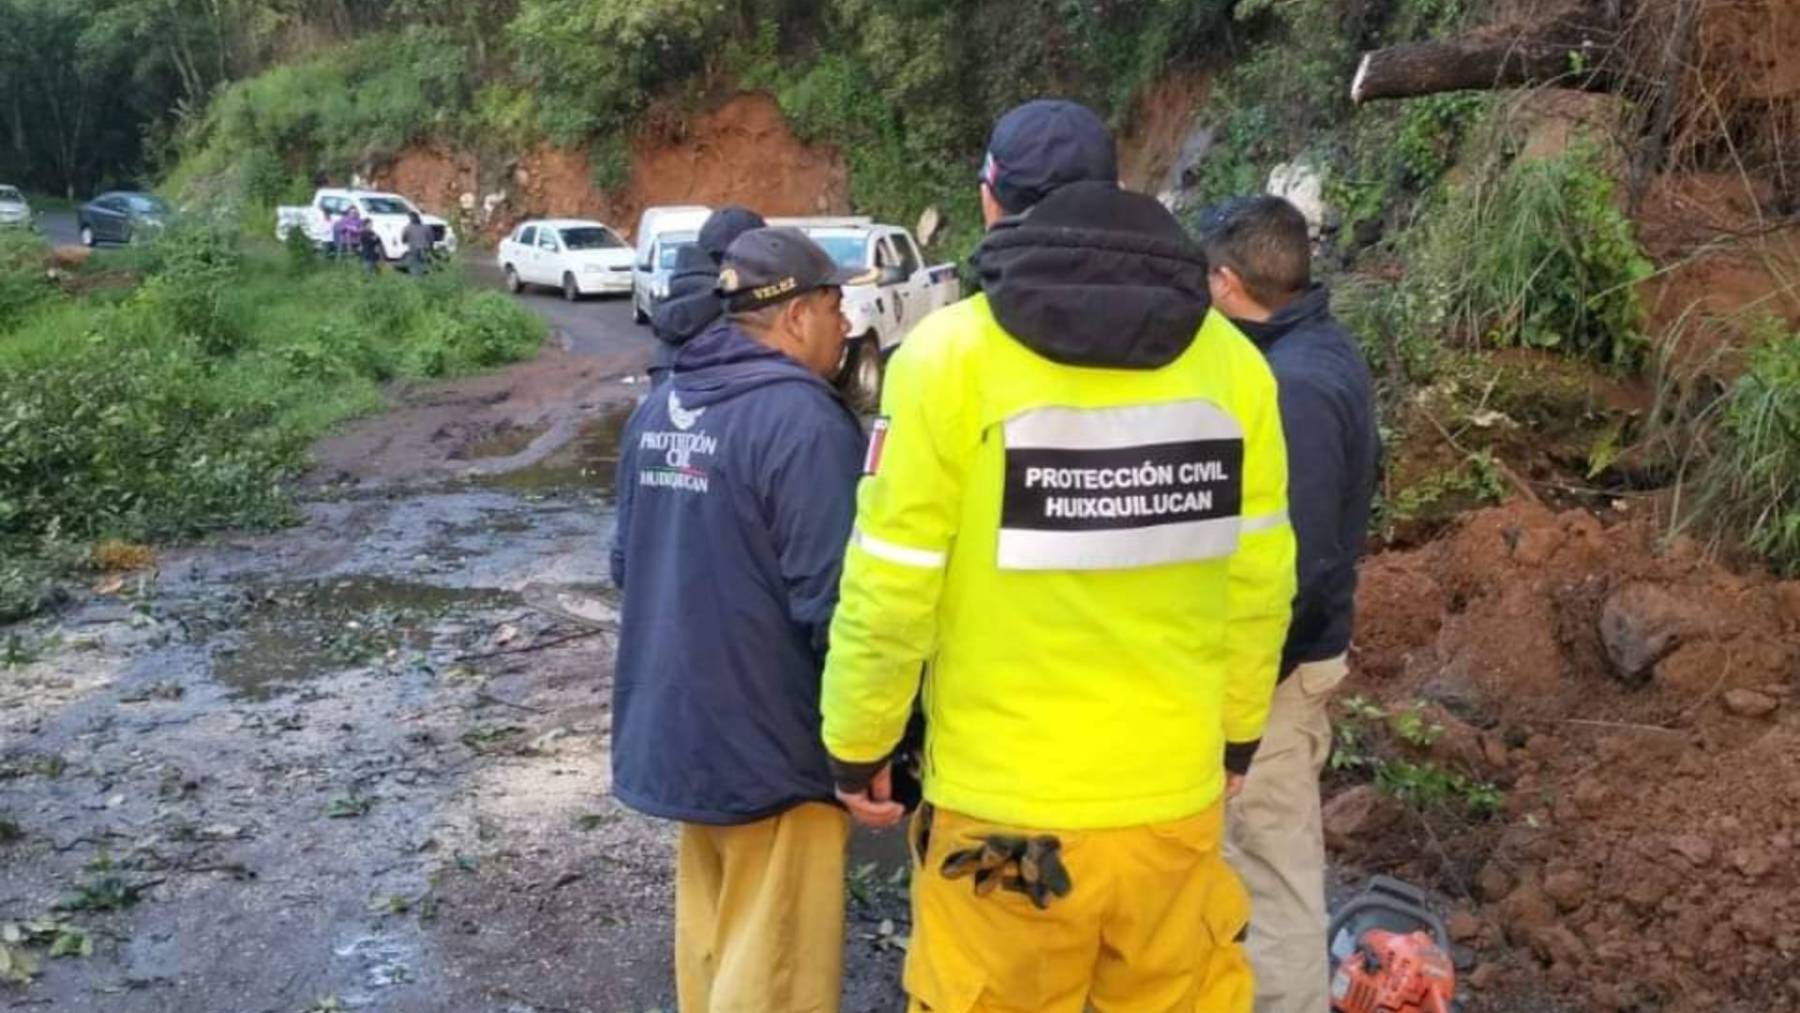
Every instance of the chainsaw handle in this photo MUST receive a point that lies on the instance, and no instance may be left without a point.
(1391, 895)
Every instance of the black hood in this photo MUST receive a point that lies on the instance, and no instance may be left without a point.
(1096, 276)
(692, 304)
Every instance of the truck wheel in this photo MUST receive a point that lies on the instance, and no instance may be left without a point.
(571, 291)
(513, 284)
(862, 375)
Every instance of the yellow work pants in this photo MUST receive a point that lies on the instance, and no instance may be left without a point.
(1154, 924)
(759, 913)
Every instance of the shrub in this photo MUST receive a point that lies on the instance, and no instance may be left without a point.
(189, 404)
(1749, 487)
(24, 278)
(1539, 256)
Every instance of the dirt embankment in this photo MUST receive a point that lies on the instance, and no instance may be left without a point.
(741, 150)
(1641, 710)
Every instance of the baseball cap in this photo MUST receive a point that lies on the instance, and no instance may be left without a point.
(1045, 144)
(766, 266)
(725, 225)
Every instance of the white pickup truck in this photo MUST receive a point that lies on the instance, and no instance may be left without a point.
(388, 213)
(880, 315)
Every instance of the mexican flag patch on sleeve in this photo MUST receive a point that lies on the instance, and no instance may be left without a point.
(878, 431)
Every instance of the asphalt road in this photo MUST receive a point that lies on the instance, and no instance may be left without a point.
(594, 326)
(59, 228)
(597, 325)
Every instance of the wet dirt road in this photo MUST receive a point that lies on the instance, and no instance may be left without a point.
(362, 763)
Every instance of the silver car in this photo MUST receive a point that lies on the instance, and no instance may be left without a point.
(15, 210)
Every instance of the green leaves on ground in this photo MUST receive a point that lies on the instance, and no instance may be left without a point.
(103, 891)
(1384, 744)
(351, 806)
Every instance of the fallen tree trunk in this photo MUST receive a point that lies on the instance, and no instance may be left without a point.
(1570, 53)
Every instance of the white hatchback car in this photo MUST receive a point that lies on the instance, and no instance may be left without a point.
(580, 257)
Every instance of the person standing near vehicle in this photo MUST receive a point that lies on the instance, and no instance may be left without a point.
(736, 486)
(347, 233)
(692, 303)
(418, 240)
(371, 250)
(1261, 277)
(1075, 516)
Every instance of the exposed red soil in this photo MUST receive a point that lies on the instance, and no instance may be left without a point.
(743, 150)
(1646, 854)
(1157, 126)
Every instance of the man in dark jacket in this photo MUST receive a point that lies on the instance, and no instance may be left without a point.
(736, 489)
(1260, 275)
(692, 304)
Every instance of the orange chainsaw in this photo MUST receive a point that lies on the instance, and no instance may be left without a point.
(1390, 954)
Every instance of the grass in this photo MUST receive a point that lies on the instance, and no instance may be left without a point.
(1748, 485)
(1530, 253)
(186, 402)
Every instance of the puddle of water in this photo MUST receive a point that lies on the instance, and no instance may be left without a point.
(591, 605)
(586, 462)
(502, 442)
(379, 962)
(306, 631)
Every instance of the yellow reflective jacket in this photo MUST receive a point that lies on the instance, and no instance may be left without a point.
(1092, 566)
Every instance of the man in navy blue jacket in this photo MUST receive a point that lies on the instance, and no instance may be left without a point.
(736, 491)
(1259, 263)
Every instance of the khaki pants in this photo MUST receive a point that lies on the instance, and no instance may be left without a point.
(1276, 843)
(759, 913)
(1152, 925)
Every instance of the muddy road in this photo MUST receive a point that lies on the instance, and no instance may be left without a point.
(362, 763)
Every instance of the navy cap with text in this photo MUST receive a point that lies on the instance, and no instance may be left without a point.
(1045, 144)
(766, 266)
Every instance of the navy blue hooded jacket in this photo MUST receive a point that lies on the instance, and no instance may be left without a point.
(1334, 451)
(692, 306)
(736, 492)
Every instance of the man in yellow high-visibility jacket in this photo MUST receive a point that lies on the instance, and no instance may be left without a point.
(1074, 518)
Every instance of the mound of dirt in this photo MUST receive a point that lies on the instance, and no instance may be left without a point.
(741, 150)
(1641, 709)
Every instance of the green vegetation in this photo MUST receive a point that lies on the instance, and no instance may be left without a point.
(1286, 98)
(267, 137)
(907, 91)
(1537, 255)
(1381, 744)
(187, 403)
(1749, 484)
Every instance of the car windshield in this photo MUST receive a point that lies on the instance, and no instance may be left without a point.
(592, 237)
(672, 245)
(11, 195)
(149, 205)
(847, 250)
(386, 206)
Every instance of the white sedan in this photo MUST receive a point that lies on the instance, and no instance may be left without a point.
(579, 257)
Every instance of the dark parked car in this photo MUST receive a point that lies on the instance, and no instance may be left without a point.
(120, 217)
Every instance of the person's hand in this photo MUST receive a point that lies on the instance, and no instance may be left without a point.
(1234, 783)
(874, 807)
